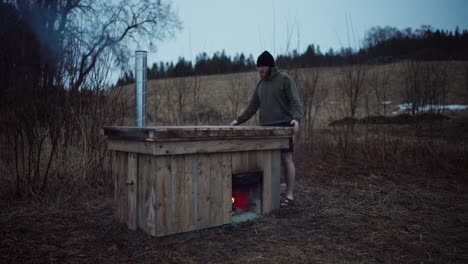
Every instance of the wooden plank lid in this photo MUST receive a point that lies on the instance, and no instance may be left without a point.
(169, 133)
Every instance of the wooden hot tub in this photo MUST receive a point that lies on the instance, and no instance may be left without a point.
(175, 179)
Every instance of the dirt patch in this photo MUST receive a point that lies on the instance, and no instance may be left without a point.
(344, 213)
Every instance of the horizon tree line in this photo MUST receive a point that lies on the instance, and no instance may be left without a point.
(380, 45)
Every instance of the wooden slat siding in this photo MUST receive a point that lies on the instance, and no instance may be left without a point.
(151, 222)
(254, 161)
(174, 199)
(122, 194)
(146, 197)
(143, 177)
(132, 190)
(151, 201)
(275, 178)
(179, 202)
(163, 195)
(188, 222)
(194, 147)
(216, 181)
(227, 188)
(194, 198)
(236, 162)
(119, 176)
(204, 191)
(266, 192)
(245, 161)
(116, 169)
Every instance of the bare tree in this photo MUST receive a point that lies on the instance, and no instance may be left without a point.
(177, 96)
(379, 81)
(437, 87)
(349, 91)
(426, 86)
(237, 92)
(426, 90)
(195, 87)
(313, 96)
(351, 87)
(414, 86)
(57, 102)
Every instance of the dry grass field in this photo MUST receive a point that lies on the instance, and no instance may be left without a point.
(412, 210)
(377, 194)
(217, 99)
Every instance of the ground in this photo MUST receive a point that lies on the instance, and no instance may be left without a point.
(343, 214)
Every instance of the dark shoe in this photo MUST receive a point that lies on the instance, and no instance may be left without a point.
(287, 202)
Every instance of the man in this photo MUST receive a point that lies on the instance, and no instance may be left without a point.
(278, 100)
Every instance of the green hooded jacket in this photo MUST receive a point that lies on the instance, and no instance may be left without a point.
(278, 100)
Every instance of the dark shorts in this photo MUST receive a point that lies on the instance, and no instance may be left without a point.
(291, 140)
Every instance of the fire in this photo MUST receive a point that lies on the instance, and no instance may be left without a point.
(240, 199)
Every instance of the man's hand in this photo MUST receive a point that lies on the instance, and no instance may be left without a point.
(234, 123)
(295, 124)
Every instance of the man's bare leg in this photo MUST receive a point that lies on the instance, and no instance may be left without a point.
(289, 173)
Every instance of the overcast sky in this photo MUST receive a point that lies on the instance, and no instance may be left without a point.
(251, 26)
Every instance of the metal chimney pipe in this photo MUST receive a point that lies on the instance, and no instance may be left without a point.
(140, 87)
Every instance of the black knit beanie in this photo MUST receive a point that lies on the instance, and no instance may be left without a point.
(266, 59)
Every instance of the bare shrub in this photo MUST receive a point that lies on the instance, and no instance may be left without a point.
(237, 94)
(379, 84)
(350, 89)
(195, 90)
(349, 92)
(62, 148)
(425, 90)
(426, 86)
(205, 114)
(313, 95)
(388, 153)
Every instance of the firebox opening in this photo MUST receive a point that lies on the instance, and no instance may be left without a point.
(246, 196)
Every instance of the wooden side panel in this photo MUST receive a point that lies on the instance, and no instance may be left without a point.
(240, 162)
(120, 187)
(141, 193)
(254, 161)
(162, 172)
(246, 161)
(204, 191)
(189, 212)
(195, 193)
(116, 169)
(178, 193)
(226, 175)
(275, 178)
(216, 189)
(146, 195)
(236, 162)
(132, 190)
(267, 183)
